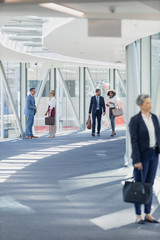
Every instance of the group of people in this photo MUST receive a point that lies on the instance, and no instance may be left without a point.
(144, 132)
(30, 111)
(98, 107)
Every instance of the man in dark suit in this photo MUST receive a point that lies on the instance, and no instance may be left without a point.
(97, 107)
(30, 111)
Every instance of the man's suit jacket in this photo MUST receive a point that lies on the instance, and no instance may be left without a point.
(140, 137)
(93, 105)
(30, 104)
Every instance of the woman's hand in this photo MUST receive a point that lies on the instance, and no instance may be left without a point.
(138, 165)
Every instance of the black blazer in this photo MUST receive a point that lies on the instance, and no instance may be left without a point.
(93, 105)
(140, 137)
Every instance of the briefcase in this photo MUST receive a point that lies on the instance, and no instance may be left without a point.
(137, 192)
(88, 123)
(49, 121)
(117, 112)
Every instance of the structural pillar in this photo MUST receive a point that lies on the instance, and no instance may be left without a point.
(23, 94)
(82, 98)
(133, 90)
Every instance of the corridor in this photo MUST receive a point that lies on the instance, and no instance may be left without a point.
(69, 187)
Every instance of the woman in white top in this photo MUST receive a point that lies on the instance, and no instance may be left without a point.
(112, 104)
(51, 110)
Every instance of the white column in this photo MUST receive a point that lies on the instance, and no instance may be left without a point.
(145, 44)
(133, 90)
(112, 78)
(82, 98)
(156, 105)
(23, 94)
(53, 79)
(2, 108)
(57, 102)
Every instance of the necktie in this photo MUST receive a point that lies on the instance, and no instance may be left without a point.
(97, 102)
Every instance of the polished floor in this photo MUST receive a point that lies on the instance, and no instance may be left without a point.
(67, 188)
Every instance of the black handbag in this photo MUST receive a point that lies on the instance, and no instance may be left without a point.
(49, 121)
(137, 192)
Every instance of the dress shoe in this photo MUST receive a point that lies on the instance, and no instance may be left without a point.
(93, 134)
(34, 136)
(112, 135)
(151, 221)
(28, 137)
(98, 134)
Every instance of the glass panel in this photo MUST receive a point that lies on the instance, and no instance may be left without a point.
(35, 76)
(155, 70)
(100, 77)
(9, 128)
(71, 77)
(66, 120)
(155, 60)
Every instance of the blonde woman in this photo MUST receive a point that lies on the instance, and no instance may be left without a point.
(51, 110)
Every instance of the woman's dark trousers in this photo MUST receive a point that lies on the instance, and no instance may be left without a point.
(149, 170)
(112, 118)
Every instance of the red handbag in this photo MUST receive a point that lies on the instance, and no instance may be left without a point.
(49, 121)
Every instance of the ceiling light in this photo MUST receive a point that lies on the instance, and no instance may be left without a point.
(62, 9)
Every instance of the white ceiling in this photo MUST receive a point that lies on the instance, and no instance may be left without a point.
(138, 19)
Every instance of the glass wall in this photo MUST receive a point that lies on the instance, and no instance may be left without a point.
(66, 82)
(155, 64)
(155, 71)
(8, 124)
(36, 73)
(67, 119)
(96, 78)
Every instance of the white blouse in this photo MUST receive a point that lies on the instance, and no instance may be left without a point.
(52, 102)
(112, 102)
(151, 130)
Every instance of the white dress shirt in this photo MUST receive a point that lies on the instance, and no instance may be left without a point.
(97, 99)
(114, 101)
(151, 130)
(52, 102)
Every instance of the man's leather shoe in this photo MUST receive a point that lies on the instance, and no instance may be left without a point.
(93, 134)
(28, 137)
(34, 136)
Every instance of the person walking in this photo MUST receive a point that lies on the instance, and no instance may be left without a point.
(145, 140)
(112, 104)
(97, 107)
(30, 111)
(51, 111)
